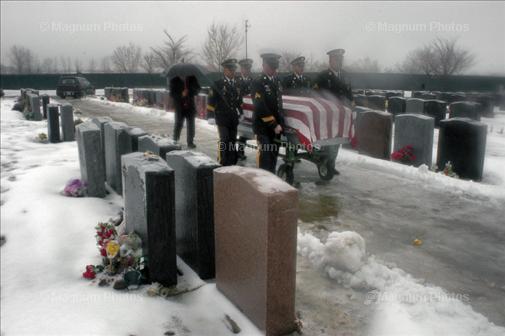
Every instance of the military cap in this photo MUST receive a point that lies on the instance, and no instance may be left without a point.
(336, 52)
(271, 59)
(230, 63)
(298, 60)
(246, 62)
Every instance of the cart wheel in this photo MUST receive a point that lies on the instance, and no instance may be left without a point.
(285, 172)
(326, 170)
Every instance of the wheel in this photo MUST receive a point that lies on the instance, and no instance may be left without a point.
(326, 170)
(285, 172)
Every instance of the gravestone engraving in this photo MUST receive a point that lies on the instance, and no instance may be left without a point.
(149, 203)
(256, 216)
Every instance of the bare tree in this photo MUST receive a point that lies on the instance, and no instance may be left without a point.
(47, 65)
(66, 64)
(222, 42)
(105, 65)
(127, 58)
(439, 57)
(22, 59)
(314, 65)
(91, 65)
(149, 62)
(172, 51)
(365, 64)
(77, 65)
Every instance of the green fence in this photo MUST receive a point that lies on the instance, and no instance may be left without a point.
(383, 81)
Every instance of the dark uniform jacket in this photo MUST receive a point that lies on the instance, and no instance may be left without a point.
(184, 105)
(226, 102)
(244, 84)
(336, 85)
(267, 99)
(294, 85)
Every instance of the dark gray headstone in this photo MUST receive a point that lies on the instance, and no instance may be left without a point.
(158, 145)
(53, 123)
(91, 158)
(117, 142)
(67, 122)
(100, 122)
(135, 133)
(45, 102)
(35, 106)
(417, 131)
(464, 109)
(373, 133)
(396, 105)
(376, 102)
(414, 105)
(436, 109)
(194, 209)
(462, 141)
(149, 204)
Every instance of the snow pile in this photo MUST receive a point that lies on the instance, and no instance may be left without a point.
(49, 241)
(404, 305)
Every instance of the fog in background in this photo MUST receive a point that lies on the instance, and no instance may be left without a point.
(382, 31)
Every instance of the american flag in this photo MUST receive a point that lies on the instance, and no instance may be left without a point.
(313, 119)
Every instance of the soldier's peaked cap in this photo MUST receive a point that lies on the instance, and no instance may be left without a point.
(246, 62)
(336, 52)
(270, 56)
(229, 63)
(298, 60)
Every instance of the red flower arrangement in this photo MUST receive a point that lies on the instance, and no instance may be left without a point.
(105, 232)
(404, 155)
(90, 272)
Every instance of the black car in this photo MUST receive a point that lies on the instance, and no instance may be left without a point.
(74, 86)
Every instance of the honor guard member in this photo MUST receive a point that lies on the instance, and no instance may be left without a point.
(297, 84)
(225, 101)
(244, 81)
(333, 79)
(268, 119)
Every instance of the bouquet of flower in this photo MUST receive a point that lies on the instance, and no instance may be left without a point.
(74, 188)
(449, 171)
(404, 155)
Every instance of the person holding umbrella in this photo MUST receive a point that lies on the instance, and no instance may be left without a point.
(225, 101)
(183, 92)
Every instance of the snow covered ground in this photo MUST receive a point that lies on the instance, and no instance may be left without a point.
(46, 252)
(50, 239)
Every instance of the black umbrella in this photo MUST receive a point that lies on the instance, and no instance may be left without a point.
(183, 70)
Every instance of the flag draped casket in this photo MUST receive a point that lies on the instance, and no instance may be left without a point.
(313, 119)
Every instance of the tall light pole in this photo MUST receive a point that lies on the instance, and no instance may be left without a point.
(247, 25)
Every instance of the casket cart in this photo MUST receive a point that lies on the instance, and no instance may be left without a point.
(315, 128)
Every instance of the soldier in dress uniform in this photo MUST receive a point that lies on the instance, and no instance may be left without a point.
(297, 84)
(268, 117)
(226, 102)
(244, 81)
(333, 80)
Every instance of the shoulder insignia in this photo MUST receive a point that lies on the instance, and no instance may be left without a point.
(257, 95)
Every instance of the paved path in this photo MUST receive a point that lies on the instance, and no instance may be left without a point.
(463, 248)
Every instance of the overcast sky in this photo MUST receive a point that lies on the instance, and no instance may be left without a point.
(385, 31)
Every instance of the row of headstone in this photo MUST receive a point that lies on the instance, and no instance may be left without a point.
(65, 113)
(461, 140)
(218, 220)
(150, 97)
(117, 94)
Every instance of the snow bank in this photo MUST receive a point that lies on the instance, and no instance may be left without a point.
(50, 239)
(403, 305)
